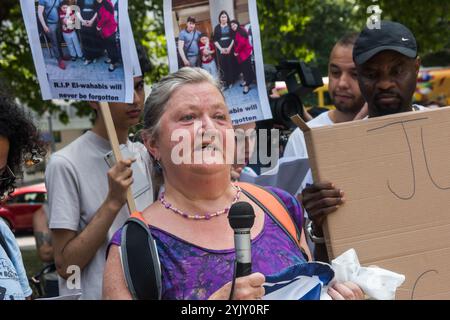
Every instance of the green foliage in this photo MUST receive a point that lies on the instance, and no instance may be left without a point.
(428, 20)
(147, 22)
(305, 30)
(16, 62)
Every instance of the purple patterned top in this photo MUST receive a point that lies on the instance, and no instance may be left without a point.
(190, 272)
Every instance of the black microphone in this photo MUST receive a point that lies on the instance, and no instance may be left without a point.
(241, 218)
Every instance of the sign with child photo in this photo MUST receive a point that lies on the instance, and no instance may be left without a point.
(221, 37)
(81, 48)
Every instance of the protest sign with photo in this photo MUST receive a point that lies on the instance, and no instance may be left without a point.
(82, 49)
(223, 38)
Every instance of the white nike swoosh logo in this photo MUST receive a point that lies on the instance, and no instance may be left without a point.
(404, 39)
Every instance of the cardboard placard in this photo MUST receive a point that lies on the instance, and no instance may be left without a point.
(394, 171)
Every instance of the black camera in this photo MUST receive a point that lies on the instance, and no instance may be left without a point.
(300, 80)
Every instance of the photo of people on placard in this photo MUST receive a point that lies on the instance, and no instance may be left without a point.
(215, 40)
(221, 37)
(79, 36)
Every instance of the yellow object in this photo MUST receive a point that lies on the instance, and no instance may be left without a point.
(323, 96)
(433, 86)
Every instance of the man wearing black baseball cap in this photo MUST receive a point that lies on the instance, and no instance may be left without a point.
(387, 65)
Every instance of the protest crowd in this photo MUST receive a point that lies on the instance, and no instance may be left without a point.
(174, 241)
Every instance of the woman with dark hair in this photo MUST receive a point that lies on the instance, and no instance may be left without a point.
(89, 36)
(107, 27)
(243, 52)
(19, 143)
(224, 44)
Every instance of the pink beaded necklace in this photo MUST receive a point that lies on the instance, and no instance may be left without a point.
(208, 215)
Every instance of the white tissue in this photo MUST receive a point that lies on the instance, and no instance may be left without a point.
(377, 283)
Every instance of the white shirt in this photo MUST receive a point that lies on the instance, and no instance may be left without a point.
(296, 146)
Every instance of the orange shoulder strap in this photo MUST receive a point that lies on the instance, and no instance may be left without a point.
(278, 212)
(275, 208)
(138, 215)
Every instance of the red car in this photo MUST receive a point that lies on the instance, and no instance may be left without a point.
(18, 209)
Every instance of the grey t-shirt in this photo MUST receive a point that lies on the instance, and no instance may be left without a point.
(50, 10)
(77, 185)
(187, 38)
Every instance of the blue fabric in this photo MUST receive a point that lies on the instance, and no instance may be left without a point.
(311, 275)
(13, 278)
(313, 294)
(89, 3)
(52, 16)
(225, 31)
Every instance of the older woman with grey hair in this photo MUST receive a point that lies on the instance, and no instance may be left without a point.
(189, 222)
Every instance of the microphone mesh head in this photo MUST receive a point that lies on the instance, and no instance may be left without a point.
(241, 215)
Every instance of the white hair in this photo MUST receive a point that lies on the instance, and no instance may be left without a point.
(155, 105)
(163, 90)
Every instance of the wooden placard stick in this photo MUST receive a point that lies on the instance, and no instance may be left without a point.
(112, 135)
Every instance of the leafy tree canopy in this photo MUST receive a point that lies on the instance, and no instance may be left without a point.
(290, 29)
